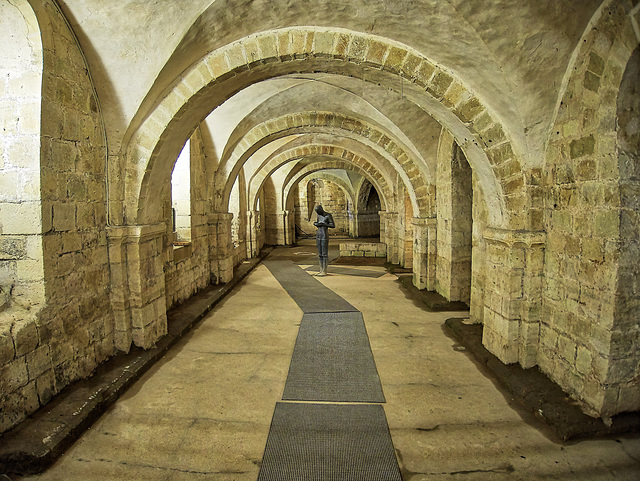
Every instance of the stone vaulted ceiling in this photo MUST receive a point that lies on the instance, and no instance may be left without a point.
(503, 50)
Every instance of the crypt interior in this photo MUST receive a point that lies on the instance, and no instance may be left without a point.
(487, 150)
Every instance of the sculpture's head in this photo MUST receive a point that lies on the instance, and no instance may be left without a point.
(319, 210)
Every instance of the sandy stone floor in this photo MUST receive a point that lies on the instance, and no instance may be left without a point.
(204, 411)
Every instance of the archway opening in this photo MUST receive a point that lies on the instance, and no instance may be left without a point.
(234, 208)
(181, 197)
(320, 192)
(368, 214)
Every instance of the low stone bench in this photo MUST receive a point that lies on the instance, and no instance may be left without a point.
(363, 249)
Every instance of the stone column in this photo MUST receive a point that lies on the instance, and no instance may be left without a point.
(424, 252)
(383, 225)
(252, 234)
(393, 237)
(276, 228)
(138, 285)
(513, 294)
(220, 247)
(288, 223)
(354, 227)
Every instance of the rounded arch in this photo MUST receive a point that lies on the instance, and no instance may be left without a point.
(312, 151)
(492, 152)
(333, 164)
(400, 160)
(363, 193)
(323, 175)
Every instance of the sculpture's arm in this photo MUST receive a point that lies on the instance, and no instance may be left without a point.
(329, 221)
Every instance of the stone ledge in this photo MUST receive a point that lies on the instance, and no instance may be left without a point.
(363, 249)
(537, 394)
(430, 299)
(33, 445)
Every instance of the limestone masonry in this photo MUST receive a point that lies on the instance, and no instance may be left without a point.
(497, 157)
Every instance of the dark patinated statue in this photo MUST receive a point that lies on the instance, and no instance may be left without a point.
(324, 223)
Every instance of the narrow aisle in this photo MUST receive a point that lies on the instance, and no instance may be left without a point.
(332, 362)
(204, 411)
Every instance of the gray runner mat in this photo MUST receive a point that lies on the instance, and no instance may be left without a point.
(332, 361)
(308, 292)
(323, 442)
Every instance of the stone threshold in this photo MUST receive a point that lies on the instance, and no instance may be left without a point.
(36, 443)
(549, 408)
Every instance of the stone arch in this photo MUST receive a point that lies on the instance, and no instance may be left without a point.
(329, 177)
(363, 193)
(328, 180)
(330, 151)
(627, 306)
(490, 149)
(421, 193)
(330, 164)
(586, 219)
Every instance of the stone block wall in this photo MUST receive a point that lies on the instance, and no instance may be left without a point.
(368, 224)
(454, 202)
(514, 263)
(272, 216)
(478, 254)
(42, 352)
(407, 237)
(363, 249)
(389, 228)
(330, 196)
(187, 269)
(221, 248)
(238, 207)
(424, 252)
(137, 257)
(589, 330)
(21, 64)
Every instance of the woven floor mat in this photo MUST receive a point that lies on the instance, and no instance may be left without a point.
(332, 361)
(323, 442)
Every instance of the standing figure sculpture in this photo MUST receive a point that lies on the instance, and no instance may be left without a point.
(324, 223)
